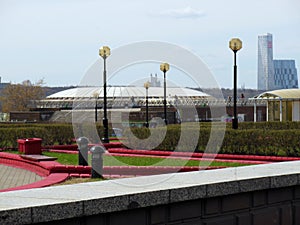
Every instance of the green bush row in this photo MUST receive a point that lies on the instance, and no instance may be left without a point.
(247, 141)
(276, 125)
(62, 134)
(264, 138)
(49, 133)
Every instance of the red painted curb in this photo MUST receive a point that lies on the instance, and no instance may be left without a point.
(40, 168)
(48, 181)
(43, 169)
(192, 158)
(204, 155)
(55, 172)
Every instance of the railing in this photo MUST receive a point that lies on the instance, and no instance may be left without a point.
(139, 102)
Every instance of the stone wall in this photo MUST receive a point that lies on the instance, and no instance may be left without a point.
(251, 195)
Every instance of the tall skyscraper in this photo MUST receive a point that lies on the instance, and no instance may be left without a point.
(285, 74)
(265, 66)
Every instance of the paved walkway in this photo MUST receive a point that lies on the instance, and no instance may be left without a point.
(13, 177)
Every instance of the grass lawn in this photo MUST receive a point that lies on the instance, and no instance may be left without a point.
(72, 159)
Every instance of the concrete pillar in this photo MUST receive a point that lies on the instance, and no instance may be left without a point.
(267, 111)
(280, 110)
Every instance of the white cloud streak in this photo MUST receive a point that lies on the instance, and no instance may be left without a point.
(187, 12)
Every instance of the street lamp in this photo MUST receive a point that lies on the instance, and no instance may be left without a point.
(147, 85)
(96, 96)
(235, 45)
(104, 52)
(164, 67)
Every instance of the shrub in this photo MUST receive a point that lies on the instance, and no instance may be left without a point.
(264, 138)
(242, 141)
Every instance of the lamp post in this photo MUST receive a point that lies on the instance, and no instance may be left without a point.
(104, 52)
(235, 45)
(147, 85)
(96, 95)
(164, 67)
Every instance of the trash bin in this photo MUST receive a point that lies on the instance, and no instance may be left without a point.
(30, 146)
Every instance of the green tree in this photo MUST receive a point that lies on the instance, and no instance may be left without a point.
(22, 97)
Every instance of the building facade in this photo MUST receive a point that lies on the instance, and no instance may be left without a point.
(285, 74)
(265, 66)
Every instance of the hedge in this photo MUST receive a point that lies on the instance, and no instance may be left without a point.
(242, 141)
(49, 133)
(248, 125)
(264, 138)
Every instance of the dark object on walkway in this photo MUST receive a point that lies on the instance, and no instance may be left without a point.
(83, 149)
(97, 161)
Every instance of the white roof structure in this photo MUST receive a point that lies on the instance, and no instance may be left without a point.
(123, 96)
(282, 94)
(126, 92)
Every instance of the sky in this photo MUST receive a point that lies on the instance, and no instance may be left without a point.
(58, 40)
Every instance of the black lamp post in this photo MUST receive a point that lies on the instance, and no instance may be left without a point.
(147, 85)
(96, 95)
(235, 45)
(104, 52)
(164, 67)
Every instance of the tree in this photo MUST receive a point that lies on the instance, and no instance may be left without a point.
(21, 97)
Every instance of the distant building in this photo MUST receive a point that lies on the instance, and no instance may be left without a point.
(273, 74)
(285, 74)
(3, 85)
(265, 66)
(154, 82)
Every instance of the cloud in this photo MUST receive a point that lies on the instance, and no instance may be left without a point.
(187, 12)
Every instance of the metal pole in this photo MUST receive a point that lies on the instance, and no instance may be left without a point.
(255, 116)
(105, 121)
(96, 116)
(235, 119)
(165, 100)
(147, 115)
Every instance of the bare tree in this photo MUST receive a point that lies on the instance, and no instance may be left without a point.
(21, 97)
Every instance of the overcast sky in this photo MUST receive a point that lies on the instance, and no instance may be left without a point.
(58, 40)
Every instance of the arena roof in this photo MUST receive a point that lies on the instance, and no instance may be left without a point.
(126, 92)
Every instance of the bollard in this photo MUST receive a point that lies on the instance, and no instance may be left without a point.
(83, 149)
(97, 161)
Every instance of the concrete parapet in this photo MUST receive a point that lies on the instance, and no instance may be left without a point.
(261, 194)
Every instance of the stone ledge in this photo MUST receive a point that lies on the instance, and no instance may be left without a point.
(114, 195)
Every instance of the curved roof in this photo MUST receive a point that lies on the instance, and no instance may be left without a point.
(126, 92)
(292, 94)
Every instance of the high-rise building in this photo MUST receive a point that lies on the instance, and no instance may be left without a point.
(265, 66)
(154, 82)
(285, 74)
